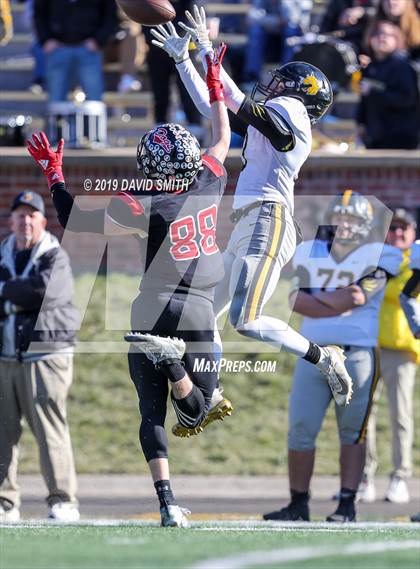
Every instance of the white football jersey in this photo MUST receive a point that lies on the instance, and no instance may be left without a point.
(268, 174)
(415, 256)
(356, 327)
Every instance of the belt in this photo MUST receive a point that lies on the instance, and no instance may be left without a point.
(238, 214)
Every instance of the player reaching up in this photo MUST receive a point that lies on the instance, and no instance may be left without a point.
(276, 122)
(183, 265)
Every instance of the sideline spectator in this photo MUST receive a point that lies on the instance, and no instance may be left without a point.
(72, 34)
(400, 352)
(348, 19)
(34, 383)
(344, 310)
(6, 23)
(406, 16)
(388, 111)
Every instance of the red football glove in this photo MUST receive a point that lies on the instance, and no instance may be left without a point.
(50, 161)
(214, 84)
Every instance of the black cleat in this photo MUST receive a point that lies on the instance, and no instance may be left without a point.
(291, 513)
(346, 512)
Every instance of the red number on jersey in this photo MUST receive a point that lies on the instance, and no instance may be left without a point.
(182, 233)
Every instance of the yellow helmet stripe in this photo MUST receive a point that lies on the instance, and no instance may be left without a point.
(346, 197)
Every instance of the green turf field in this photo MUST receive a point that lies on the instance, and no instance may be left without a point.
(229, 545)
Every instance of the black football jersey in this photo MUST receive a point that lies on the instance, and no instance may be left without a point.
(182, 250)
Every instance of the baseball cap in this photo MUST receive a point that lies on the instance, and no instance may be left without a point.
(402, 214)
(29, 198)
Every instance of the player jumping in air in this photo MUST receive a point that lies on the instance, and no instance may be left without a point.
(183, 265)
(276, 123)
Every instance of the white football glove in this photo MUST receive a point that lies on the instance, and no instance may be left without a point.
(198, 29)
(169, 40)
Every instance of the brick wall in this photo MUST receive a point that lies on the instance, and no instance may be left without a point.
(393, 177)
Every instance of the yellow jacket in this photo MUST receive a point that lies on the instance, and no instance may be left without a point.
(394, 332)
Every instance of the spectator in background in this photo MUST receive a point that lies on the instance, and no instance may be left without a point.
(388, 111)
(348, 19)
(130, 52)
(400, 352)
(270, 23)
(34, 379)
(72, 34)
(162, 71)
(6, 22)
(405, 15)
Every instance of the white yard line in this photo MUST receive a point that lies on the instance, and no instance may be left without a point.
(281, 556)
(225, 525)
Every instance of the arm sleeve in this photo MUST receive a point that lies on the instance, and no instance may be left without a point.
(195, 86)
(373, 283)
(79, 220)
(269, 122)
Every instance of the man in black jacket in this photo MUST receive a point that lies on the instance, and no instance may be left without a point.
(72, 34)
(37, 323)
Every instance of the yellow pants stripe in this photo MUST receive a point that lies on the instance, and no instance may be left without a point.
(270, 258)
(362, 435)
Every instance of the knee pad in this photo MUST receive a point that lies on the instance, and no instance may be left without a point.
(191, 409)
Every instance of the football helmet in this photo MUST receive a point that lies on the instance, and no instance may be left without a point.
(359, 207)
(169, 151)
(301, 81)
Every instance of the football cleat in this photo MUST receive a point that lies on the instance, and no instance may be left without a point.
(157, 348)
(173, 516)
(332, 366)
(415, 518)
(293, 512)
(366, 492)
(220, 407)
(346, 512)
(8, 512)
(64, 512)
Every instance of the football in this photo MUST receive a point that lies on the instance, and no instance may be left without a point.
(148, 12)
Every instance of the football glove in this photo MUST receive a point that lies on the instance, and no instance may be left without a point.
(198, 29)
(169, 40)
(214, 64)
(50, 161)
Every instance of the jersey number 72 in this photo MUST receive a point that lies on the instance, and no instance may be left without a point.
(183, 233)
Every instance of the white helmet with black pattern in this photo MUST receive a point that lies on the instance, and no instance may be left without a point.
(169, 151)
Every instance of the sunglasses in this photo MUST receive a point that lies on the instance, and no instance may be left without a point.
(396, 227)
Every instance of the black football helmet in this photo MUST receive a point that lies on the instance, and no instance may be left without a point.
(301, 81)
(356, 205)
(169, 151)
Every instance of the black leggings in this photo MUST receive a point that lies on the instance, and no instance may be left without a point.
(189, 317)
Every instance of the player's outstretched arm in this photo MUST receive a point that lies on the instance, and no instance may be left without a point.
(168, 39)
(199, 33)
(219, 117)
(122, 216)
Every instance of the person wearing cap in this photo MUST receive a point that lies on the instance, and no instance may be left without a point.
(399, 356)
(36, 364)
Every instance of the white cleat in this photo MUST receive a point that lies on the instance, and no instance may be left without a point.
(64, 512)
(332, 366)
(174, 516)
(366, 492)
(397, 491)
(8, 512)
(157, 348)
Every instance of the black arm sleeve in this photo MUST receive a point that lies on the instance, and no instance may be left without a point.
(269, 123)
(91, 221)
(373, 283)
(412, 286)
